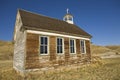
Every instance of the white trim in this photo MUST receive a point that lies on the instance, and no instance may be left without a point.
(55, 34)
(85, 46)
(74, 46)
(47, 45)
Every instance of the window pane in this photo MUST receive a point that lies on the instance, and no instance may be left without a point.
(73, 50)
(41, 49)
(45, 49)
(82, 43)
(70, 42)
(82, 47)
(65, 19)
(60, 49)
(72, 47)
(73, 43)
(60, 42)
(70, 19)
(42, 40)
(45, 38)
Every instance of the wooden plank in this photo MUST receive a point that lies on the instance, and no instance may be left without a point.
(66, 46)
(78, 48)
(52, 44)
(88, 49)
(32, 51)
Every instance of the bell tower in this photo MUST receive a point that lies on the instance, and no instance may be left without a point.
(68, 17)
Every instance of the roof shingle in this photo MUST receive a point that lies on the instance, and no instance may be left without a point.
(37, 22)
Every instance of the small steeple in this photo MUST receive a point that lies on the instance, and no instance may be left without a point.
(68, 17)
(67, 10)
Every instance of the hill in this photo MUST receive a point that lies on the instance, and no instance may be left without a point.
(6, 50)
(105, 51)
(114, 48)
(96, 50)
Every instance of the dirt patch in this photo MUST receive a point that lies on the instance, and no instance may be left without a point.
(109, 55)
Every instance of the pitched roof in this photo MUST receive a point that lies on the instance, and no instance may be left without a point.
(35, 21)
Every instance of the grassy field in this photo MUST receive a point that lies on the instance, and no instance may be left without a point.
(114, 47)
(6, 50)
(107, 69)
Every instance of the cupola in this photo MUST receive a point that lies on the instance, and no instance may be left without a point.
(68, 17)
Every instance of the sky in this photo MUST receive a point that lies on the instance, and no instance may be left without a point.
(100, 18)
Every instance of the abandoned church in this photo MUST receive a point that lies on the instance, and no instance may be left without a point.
(41, 41)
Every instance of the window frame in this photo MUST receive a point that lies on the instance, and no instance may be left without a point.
(62, 46)
(74, 46)
(82, 46)
(46, 45)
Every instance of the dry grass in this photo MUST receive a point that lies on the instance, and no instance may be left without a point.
(6, 50)
(114, 47)
(107, 71)
(99, 49)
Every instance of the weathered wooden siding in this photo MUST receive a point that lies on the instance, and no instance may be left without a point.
(19, 46)
(32, 51)
(52, 43)
(66, 46)
(88, 49)
(78, 48)
(35, 60)
(19, 52)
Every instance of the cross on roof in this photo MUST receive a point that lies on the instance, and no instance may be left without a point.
(67, 10)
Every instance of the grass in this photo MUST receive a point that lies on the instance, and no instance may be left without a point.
(114, 47)
(96, 50)
(6, 50)
(107, 71)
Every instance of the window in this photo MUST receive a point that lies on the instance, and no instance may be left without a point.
(59, 45)
(82, 45)
(65, 19)
(43, 45)
(72, 46)
(70, 19)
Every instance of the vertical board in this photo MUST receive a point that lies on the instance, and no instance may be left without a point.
(52, 44)
(78, 48)
(66, 48)
(32, 50)
(88, 49)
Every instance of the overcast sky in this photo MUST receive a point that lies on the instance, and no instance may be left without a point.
(100, 18)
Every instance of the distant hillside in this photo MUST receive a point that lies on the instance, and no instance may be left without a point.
(6, 50)
(99, 49)
(105, 51)
(114, 47)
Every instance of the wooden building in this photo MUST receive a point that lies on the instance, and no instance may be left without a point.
(40, 41)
